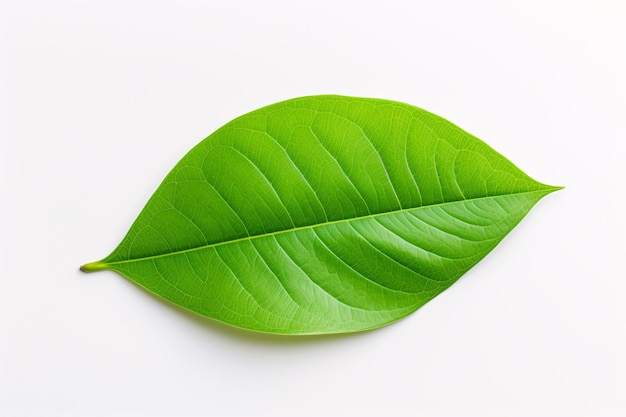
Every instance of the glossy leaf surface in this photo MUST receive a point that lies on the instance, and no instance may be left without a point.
(323, 214)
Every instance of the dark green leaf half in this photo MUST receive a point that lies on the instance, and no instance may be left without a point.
(323, 214)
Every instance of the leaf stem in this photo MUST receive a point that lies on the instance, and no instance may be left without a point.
(94, 266)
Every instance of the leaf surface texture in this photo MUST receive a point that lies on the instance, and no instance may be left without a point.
(323, 214)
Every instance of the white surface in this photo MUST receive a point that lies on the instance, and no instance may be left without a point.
(100, 99)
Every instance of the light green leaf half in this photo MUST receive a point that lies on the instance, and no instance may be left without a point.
(323, 214)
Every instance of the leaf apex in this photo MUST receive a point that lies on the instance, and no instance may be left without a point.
(94, 266)
(554, 188)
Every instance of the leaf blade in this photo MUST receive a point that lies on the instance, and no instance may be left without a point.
(324, 214)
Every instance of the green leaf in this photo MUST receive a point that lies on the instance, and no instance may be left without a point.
(323, 214)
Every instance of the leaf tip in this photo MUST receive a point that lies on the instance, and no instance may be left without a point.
(94, 266)
(556, 188)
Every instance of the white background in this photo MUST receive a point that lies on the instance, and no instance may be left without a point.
(99, 99)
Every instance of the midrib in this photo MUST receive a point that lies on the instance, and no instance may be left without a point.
(296, 229)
